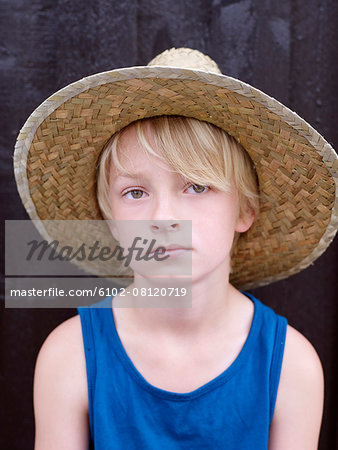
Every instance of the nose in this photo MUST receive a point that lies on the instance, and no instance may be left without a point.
(164, 215)
(164, 225)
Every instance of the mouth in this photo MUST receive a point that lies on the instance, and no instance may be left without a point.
(171, 249)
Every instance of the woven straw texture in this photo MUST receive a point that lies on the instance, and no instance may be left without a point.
(59, 146)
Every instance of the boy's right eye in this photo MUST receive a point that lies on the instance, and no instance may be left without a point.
(132, 191)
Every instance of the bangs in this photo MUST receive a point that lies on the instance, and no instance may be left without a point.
(188, 146)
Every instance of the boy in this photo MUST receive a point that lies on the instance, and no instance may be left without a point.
(205, 376)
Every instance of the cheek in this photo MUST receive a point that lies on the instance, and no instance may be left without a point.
(114, 206)
(216, 228)
(220, 217)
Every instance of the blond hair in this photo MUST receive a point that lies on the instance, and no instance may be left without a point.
(199, 151)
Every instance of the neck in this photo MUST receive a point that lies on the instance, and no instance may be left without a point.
(209, 310)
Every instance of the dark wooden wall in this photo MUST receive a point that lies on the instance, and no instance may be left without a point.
(286, 48)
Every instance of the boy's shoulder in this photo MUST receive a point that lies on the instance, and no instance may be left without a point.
(299, 349)
(301, 363)
(300, 397)
(60, 389)
(61, 357)
(63, 340)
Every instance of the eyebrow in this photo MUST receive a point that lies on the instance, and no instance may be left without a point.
(139, 176)
(136, 175)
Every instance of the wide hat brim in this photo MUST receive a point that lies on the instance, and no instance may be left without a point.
(58, 148)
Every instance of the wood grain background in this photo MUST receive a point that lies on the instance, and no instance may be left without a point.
(286, 48)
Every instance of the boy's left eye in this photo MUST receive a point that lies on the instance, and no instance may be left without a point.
(199, 187)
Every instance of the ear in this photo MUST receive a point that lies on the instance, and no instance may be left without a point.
(245, 221)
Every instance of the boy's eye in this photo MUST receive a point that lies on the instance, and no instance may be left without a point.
(198, 189)
(132, 192)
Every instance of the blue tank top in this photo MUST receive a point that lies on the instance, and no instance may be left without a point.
(233, 411)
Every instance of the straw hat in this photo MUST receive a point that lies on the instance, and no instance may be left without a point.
(59, 145)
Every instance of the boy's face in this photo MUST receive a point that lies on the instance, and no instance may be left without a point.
(159, 194)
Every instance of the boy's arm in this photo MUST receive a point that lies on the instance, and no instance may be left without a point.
(299, 405)
(60, 390)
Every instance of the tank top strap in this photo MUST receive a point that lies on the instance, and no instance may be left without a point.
(92, 328)
(273, 333)
(277, 359)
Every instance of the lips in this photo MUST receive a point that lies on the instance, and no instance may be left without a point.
(171, 247)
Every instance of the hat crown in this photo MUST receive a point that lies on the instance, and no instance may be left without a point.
(185, 58)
